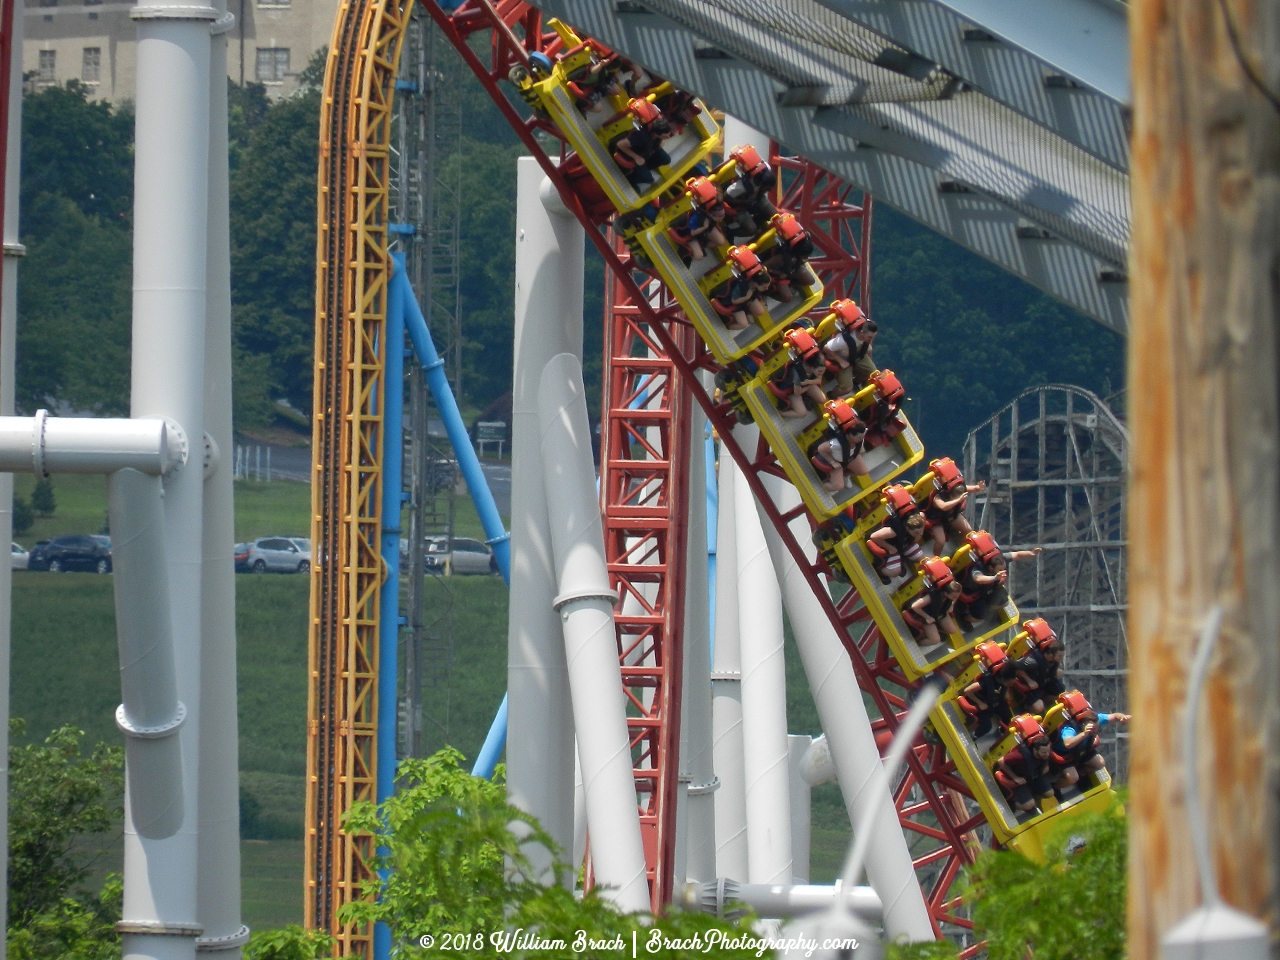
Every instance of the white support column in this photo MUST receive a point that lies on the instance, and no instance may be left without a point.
(764, 700)
(801, 806)
(728, 755)
(548, 321)
(13, 250)
(585, 604)
(695, 726)
(843, 716)
(170, 239)
(219, 840)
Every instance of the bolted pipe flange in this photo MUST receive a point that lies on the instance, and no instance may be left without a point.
(230, 942)
(129, 729)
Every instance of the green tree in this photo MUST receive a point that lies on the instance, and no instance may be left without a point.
(1072, 907)
(73, 929)
(289, 943)
(23, 516)
(273, 249)
(456, 867)
(42, 499)
(79, 150)
(57, 795)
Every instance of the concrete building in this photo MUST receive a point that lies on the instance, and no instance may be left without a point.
(93, 41)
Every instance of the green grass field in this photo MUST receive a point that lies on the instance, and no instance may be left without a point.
(65, 670)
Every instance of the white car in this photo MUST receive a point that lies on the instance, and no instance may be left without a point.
(19, 557)
(279, 555)
(467, 556)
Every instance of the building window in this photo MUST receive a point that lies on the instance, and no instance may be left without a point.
(93, 14)
(273, 64)
(92, 65)
(48, 66)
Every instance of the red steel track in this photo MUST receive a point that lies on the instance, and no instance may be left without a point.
(652, 357)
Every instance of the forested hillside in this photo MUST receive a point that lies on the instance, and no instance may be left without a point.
(964, 336)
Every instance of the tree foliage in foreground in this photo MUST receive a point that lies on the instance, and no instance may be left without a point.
(57, 797)
(1071, 907)
(457, 867)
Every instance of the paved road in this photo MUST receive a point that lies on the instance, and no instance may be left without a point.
(294, 463)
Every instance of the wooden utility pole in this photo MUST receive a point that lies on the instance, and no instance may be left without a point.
(1204, 514)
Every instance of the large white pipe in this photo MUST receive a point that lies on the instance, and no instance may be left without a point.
(728, 755)
(548, 321)
(13, 250)
(151, 714)
(695, 728)
(219, 833)
(43, 445)
(848, 731)
(777, 901)
(170, 239)
(801, 806)
(585, 604)
(764, 700)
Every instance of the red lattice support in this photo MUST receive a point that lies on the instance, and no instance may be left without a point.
(644, 487)
(934, 804)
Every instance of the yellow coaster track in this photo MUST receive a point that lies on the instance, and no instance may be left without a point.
(352, 270)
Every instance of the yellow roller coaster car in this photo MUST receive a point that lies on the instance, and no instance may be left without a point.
(891, 445)
(1025, 834)
(547, 88)
(695, 286)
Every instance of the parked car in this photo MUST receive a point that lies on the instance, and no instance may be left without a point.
(278, 554)
(75, 551)
(466, 556)
(241, 551)
(19, 557)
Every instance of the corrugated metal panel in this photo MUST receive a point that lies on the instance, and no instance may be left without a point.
(1006, 73)
(924, 144)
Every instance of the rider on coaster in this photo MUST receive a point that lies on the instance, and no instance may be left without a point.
(898, 538)
(748, 193)
(848, 349)
(837, 454)
(638, 152)
(800, 378)
(1023, 772)
(787, 260)
(1075, 742)
(983, 580)
(987, 698)
(1038, 670)
(945, 509)
(929, 614)
(702, 222)
(740, 294)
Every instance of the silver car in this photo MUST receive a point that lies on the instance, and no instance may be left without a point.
(466, 556)
(279, 555)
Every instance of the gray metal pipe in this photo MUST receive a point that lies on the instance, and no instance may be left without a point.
(43, 445)
(585, 604)
(151, 713)
(170, 240)
(13, 251)
(695, 700)
(726, 691)
(218, 890)
(776, 901)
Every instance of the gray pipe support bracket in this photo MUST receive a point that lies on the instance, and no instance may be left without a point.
(223, 24)
(151, 733)
(702, 789)
(232, 941)
(576, 596)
